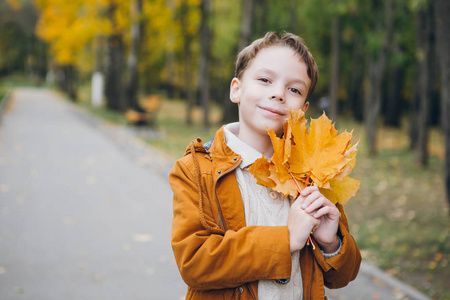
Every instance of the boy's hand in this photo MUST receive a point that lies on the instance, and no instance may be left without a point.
(321, 208)
(300, 225)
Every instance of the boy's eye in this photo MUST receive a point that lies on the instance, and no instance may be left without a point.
(265, 80)
(294, 90)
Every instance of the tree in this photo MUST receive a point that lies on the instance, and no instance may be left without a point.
(246, 24)
(335, 59)
(20, 50)
(131, 91)
(443, 45)
(230, 109)
(377, 64)
(57, 24)
(114, 65)
(205, 54)
(394, 97)
(188, 31)
(355, 94)
(426, 55)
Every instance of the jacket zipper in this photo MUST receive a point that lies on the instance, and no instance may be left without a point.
(215, 191)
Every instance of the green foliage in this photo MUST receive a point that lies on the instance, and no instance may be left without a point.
(18, 46)
(12, 49)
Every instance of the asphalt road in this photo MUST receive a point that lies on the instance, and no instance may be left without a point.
(86, 208)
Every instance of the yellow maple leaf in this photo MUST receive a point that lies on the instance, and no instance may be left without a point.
(319, 151)
(262, 167)
(341, 190)
(304, 156)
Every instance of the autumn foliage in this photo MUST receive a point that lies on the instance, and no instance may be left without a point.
(315, 155)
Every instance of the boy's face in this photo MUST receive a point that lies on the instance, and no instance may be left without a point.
(275, 81)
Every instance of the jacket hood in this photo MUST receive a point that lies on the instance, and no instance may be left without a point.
(198, 147)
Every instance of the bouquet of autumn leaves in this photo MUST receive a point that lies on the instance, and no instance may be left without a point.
(309, 156)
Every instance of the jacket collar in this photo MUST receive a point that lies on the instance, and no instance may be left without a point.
(221, 153)
(249, 154)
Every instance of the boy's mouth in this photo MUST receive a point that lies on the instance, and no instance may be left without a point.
(274, 111)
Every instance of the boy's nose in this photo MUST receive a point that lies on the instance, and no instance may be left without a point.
(277, 97)
(277, 93)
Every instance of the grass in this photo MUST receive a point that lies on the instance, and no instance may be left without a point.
(400, 219)
(17, 80)
(171, 121)
(400, 216)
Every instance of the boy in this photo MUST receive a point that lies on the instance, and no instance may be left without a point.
(233, 238)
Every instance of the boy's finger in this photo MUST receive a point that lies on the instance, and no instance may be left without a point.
(308, 190)
(299, 200)
(316, 203)
(311, 198)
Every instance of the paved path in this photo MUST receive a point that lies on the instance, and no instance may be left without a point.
(85, 211)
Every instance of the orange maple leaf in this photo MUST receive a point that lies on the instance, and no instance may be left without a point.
(317, 155)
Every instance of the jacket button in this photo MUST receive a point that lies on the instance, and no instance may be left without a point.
(273, 195)
(219, 172)
(235, 159)
(241, 290)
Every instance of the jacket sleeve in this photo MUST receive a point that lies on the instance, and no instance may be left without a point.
(214, 261)
(339, 270)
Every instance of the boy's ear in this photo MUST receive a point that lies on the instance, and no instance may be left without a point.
(305, 106)
(235, 90)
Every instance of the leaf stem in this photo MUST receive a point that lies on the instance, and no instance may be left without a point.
(307, 179)
(296, 182)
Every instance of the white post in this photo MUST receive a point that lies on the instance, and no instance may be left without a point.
(97, 89)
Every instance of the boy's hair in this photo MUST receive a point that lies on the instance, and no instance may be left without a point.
(290, 40)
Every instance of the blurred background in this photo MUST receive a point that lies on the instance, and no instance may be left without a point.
(165, 67)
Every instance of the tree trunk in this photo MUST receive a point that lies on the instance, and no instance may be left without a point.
(426, 50)
(99, 53)
(433, 80)
(187, 43)
(259, 17)
(69, 83)
(205, 55)
(394, 102)
(377, 64)
(246, 24)
(170, 85)
(231, 112)
(356, 82)
(442, 13)
(131, 91)
(373, 103)
(414, 113)
(114, 65)
(334, 77)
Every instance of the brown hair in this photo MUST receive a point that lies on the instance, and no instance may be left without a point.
(290, 40)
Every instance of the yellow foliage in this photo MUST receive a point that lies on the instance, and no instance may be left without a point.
(69, 26)
(73, 28)
(315, 155)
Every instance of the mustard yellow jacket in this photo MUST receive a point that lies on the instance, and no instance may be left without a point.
(218, 256)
